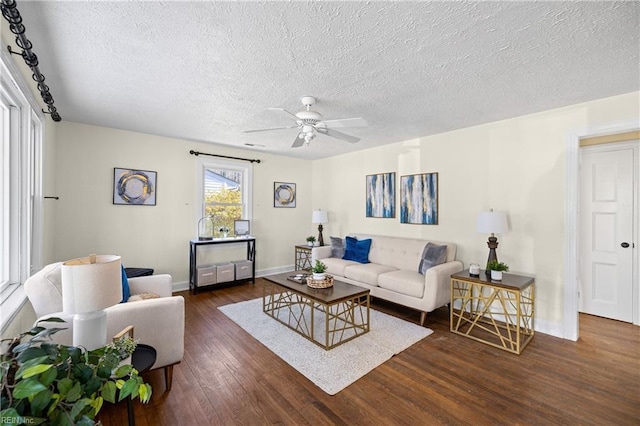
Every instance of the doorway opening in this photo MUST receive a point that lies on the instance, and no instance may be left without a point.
(570, 292)
(607, 224)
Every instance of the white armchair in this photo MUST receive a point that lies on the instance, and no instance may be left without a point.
(157, 322)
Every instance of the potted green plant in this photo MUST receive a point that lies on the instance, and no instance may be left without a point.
(319, 270)
(48, 383)
(311, 240)
(497, 268)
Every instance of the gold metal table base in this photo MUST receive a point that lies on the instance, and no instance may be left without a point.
(303, 258)
(498, 315)
(326, 324)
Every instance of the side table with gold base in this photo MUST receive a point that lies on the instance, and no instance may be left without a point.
(498, 313)
(303, 258)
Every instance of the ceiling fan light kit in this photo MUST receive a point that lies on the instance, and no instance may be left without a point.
(310, 124)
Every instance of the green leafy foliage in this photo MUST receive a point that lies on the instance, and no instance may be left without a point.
(225, 207)
(47, 383)
(319, 267)
(494, 265)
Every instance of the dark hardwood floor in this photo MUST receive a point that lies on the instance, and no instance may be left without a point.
(227, 378)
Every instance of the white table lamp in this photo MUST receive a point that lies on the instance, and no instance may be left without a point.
(89, 285)
(492, 223)
(320, 217)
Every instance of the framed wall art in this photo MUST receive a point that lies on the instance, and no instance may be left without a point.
(284, 194)
(134, 187)
(241, 227)
(419, 199)
(381, 195)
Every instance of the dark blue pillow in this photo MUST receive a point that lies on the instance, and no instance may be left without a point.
(357, 251)
(125, 286)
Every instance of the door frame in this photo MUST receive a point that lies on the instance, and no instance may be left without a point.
(633, 145)
(571, 287)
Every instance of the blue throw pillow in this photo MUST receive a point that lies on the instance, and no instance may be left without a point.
(357, 251)
(125, 286)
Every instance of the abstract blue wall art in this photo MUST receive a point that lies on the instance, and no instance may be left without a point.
(419, 199)
(381, 195)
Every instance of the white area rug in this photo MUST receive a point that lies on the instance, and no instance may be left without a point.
(337, 368)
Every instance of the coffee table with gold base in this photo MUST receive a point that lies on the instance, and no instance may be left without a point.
(327, 317)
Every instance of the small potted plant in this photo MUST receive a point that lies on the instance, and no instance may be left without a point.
(319, 270)
(497, 268)
(311, 240)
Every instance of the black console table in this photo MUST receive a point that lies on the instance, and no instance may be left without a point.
(193, 258)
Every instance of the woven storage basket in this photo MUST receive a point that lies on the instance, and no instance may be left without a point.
(326, 283)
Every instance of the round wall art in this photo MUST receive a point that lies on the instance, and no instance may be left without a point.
(284, 194)
(134, 187)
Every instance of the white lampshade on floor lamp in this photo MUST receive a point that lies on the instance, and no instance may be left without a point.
(492, 223)
(89, 285)
(320, 217)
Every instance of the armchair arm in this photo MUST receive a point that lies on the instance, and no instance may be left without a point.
(437, 281)
(158, 284)
(320, 253)
(157, 322)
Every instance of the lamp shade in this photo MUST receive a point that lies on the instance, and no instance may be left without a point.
(492, 222)
(91, 283)
(319, 216)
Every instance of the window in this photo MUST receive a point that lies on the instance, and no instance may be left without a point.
(20, 182)
(225, 193)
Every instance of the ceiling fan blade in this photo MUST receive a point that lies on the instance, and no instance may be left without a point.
(271, 128)
(346, 122)
(285, 111)
(338, 135)
(298, 142)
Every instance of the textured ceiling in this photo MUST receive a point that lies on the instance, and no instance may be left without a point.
(206, 71)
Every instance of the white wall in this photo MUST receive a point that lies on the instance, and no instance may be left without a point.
(48, 143)
(516, 165)
(158, 236)
(25, 316)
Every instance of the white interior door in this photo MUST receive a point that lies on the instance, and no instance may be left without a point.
(606, 232)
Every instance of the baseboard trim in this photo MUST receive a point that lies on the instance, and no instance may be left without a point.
(181, 286)
(271, 271)
(184, 285)
(554, 329)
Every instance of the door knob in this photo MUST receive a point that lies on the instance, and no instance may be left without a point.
(625, 245)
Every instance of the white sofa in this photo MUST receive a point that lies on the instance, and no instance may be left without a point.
(393, 272)
(157, 322)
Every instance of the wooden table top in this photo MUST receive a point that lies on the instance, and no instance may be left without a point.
(519, 282)
(338, 292)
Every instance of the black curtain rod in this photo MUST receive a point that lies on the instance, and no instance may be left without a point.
(196, 153)
(12, 15)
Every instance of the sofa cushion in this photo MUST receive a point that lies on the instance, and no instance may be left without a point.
(337, 247)
(366, 273)
(401, 253)
(410, 283)
(357, 250)
(336, 266)
(432, 255)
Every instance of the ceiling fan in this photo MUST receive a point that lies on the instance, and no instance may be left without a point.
(311, 123)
